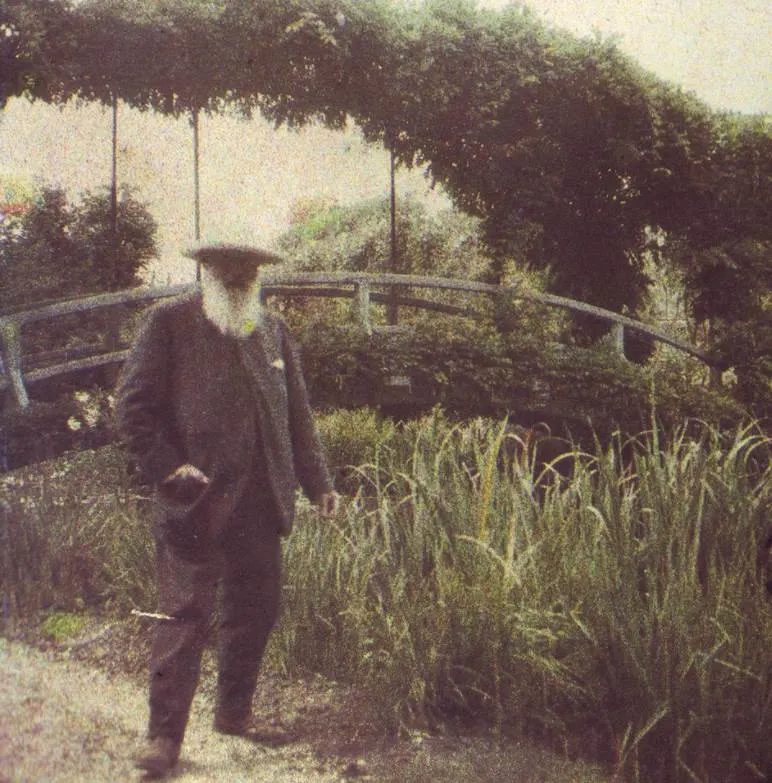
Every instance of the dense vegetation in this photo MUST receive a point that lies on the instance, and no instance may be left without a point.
(620, 614)
(471, 368)
(514, 356)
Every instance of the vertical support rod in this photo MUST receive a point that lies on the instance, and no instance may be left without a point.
(196, 186)
(114, 174)
(112, 322)
(392, 314)
(10, 347)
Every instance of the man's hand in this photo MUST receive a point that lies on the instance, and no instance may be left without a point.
(185, 484)
(187, 474)
(328, 504)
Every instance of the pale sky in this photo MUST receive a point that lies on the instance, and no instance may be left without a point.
(252, 174)
(719, 49)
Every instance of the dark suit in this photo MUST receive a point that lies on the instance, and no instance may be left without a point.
(238, 410)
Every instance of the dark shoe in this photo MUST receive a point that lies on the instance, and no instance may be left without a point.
(262, 732)
(228, 724)
(159, 757)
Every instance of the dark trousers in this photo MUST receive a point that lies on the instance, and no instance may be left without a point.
(246, 564)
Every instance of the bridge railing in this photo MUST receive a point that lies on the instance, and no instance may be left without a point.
(18, 370)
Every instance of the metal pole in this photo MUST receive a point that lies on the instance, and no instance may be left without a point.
(392, 315)
(112, 317)
(196, 187)
(114, 177)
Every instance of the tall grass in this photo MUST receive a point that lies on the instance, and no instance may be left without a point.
(73, 533)
(620, 611)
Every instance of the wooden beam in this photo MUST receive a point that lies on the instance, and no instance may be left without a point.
(86, 303)
(90, 363)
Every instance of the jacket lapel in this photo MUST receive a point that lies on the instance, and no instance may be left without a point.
(261, 357)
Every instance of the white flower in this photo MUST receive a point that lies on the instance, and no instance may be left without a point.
(74, 424)
(729, 377)
(91, 416)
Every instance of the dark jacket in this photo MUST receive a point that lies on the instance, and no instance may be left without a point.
(237, 409)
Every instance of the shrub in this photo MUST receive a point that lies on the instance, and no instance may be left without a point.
(74, 533)
(350, 439)
(80, 420)
(58, 249)
(470, 368)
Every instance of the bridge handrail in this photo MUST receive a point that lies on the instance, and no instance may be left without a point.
(361, 284)
(94, 302)
(552, 300)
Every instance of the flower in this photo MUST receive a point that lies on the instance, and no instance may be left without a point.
(729, 377)
(91, 416)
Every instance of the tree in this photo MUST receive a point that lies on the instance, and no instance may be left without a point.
(57, 250)
(327, 236)
(722, 242)
(112, 259)
(544, 137)
(38, 48)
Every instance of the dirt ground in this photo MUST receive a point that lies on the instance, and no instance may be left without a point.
(69, 712)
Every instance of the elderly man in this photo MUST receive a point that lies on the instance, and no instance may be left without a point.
(213, 408)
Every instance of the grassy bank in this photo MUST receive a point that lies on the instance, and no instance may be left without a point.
(618, 614)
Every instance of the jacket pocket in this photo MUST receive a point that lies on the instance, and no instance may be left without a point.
(184, 521)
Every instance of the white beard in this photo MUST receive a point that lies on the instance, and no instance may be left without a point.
(235, 312)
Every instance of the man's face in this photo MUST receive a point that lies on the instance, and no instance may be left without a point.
(235, 276)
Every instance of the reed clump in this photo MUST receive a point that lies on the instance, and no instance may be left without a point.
(619, 612)
(74, 534)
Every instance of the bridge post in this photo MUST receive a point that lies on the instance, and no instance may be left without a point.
(715, 380)
(618, 335)
(111, 341)
(10, 352)
(362, 306)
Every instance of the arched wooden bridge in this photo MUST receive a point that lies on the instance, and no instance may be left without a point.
(19, 369)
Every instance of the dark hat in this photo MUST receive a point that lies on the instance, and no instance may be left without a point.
(239, 255)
